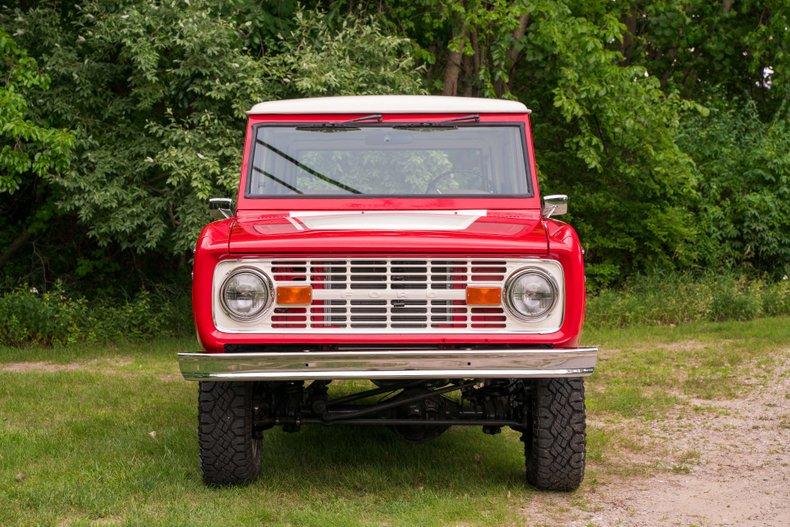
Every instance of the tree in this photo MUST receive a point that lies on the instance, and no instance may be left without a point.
(743, 167)
(702, 49)
(29, 151)
(162, 93)
(122, 116)
(605, 131)
(355, 57)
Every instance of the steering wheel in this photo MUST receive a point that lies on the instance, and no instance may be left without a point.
(433, 184)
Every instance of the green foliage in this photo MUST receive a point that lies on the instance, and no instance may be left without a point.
(743, 169)
(611, 139)
(665, 121)
(28, 317)
(702, 48)
(26, 148)
(736, 301)
(776, 299)
(669, 299)
(156, 83)
(163, 90)
(357, 57)
(605, 128)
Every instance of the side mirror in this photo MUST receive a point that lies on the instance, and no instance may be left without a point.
(555, 205)
(220, 208)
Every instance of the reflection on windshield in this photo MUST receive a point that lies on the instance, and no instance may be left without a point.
(388, 160)
(303, 167)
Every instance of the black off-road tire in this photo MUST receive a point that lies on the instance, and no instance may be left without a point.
(554, 441)
(230, 454)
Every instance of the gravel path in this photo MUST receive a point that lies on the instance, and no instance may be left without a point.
(739, 477)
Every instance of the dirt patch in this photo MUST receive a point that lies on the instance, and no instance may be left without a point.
(99, 366)
(98, 522)
(729, 465)
(607, 353)
(39, 366)
(683, 345)
(117, 362)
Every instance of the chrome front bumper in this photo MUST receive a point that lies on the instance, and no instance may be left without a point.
(389, 364)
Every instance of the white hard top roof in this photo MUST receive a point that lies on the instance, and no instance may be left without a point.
(389, 104)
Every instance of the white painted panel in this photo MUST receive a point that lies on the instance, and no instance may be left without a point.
(424, 220)
(389, 104)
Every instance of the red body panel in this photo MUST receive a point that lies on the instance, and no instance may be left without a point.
(512, 227)
(514, 232)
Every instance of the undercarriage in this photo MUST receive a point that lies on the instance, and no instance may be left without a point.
(415, 410)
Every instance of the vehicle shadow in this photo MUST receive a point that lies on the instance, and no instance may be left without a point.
(361, 457)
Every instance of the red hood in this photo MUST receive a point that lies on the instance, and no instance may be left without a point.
(321, 232)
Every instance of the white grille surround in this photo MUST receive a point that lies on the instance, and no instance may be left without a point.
(389, 295)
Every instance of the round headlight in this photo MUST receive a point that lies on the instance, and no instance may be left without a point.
(530, 293)
(245, 293)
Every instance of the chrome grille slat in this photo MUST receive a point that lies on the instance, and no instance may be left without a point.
(341, 286)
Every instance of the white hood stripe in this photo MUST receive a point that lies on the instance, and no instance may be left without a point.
(293, 221)
(394, 220)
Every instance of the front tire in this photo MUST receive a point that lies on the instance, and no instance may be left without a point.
(230, 454)
(554, 441)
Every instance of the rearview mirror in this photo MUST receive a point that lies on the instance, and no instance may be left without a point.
(555, 205)
(220, 208)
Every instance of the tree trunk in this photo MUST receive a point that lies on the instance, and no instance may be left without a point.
(628, 37)
(518, 34)
(15, 245)
(468, 77)
(453, 68)
(501, 86)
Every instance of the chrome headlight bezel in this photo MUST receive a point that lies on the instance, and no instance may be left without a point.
(268, 297)
(511, 281)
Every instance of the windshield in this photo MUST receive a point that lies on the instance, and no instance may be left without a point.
(392, 160)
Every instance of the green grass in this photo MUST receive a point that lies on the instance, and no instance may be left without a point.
(76, 446)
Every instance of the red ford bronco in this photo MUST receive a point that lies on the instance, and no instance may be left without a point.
(401, 242)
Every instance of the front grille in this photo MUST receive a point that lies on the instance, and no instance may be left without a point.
(378, 294)
(388, 295)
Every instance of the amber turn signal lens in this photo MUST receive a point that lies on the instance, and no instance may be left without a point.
(483, 296)
(299, 295)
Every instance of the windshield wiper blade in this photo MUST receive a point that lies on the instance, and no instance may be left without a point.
(372, 117)
(343, 126)
(446, 124)
(327, 128)
(474, 117)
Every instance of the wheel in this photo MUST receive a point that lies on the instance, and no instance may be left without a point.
(554, 440)
(230, 454)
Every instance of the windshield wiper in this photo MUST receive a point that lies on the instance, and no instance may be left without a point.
(343, 126)
(372, 117)
(474, 117)
(447, 124)
(307, 169)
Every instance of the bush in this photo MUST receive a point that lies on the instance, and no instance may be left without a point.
(663, 299)
(742, 167)
(776, 299)
(27, 317)
(736, 301)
